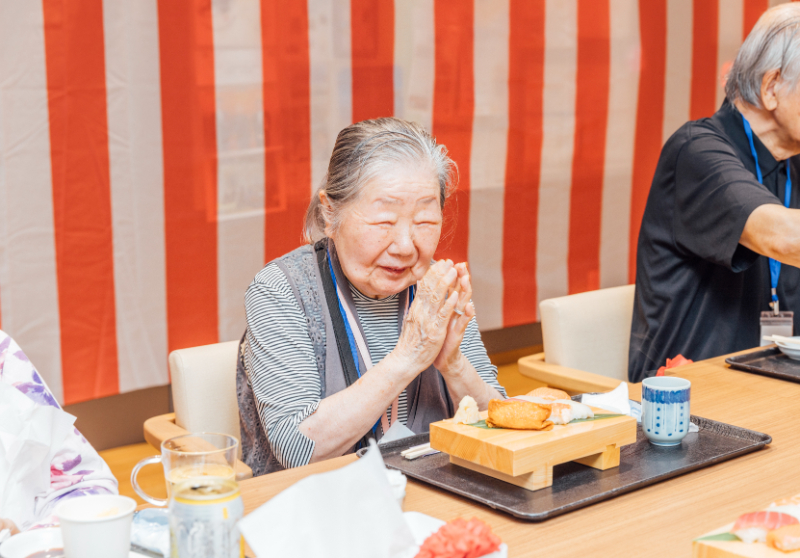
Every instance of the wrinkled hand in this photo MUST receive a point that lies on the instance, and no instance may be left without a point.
(426, 325)
(450, 358)
(8, 524)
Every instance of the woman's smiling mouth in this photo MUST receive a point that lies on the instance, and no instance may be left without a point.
(394, 270)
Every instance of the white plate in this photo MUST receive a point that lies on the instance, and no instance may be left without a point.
(792, 351)
(423, 526)
(37, 540)
(25, 544)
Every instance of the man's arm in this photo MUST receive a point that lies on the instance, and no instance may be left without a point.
(773, 231)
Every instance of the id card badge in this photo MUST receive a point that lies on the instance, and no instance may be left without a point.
(781, 323)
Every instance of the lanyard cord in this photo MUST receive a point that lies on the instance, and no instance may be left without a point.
(347, 317)
(774, 265)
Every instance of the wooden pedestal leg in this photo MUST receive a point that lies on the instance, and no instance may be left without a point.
(602, 461)
(535, 480)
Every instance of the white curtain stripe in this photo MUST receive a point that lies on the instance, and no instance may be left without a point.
(28, 288)
(414, 61)
(558, 123)
(488, 160)
(731, 20)
(330, 78)
(137, 190)
(240, 157)
(678, 78)
(620, 136)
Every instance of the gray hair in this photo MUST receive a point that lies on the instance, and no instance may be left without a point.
(362, 151)
(773, 44)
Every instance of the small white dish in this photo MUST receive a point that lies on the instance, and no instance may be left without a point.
(30, 542)
(38, 540)
(791, 351)
(397, 481)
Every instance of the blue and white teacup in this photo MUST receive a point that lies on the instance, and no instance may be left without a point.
(665, 409)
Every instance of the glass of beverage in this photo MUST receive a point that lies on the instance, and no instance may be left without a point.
(191, 456)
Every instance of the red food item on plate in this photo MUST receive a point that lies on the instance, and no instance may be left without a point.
(460, 539)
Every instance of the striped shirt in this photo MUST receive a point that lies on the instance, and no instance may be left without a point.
(282, 368)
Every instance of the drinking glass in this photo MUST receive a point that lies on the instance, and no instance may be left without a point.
(201, 454)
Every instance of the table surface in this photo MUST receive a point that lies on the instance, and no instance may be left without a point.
(659, 520)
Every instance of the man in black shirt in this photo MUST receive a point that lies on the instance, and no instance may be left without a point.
(711, 225)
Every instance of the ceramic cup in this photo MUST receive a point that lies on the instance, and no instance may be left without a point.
(665, 409)
(96, 526)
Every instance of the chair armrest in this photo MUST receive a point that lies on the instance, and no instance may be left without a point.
(160, 428)
(163, 427)
(569, 379)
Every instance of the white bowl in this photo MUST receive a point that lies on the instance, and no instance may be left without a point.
(791, 351)
(25, 544)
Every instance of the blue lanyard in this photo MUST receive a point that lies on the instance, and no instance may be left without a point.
(774, 265)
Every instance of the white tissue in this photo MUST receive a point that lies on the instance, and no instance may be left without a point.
(30, 434)
(615, 400)
(397, 431)
(346, 513)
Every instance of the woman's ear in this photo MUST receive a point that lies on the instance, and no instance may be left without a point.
(769, 84)
(327, 210)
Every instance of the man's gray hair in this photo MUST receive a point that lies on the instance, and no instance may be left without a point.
(773, 44)
(364, 150)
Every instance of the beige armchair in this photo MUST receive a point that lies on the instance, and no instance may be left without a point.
(203, 395)
(586, 339)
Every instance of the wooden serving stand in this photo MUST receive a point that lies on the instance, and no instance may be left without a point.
(734, 549)
(526, 457)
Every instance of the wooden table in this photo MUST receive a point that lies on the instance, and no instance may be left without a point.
(660, 520)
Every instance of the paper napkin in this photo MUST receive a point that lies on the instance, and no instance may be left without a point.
(346, 513)
(397, 431)
(615, 400)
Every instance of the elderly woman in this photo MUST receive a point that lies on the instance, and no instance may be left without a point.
(360, 329)
(721, 215)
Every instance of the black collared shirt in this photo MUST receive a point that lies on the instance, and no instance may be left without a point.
(699, 292)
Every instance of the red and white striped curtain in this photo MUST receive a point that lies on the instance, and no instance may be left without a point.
(154, 154)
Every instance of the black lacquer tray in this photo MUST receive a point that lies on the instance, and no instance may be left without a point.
(576, 486)
(769, 362)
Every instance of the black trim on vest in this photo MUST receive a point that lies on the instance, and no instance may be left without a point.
(339, 328)
(337, 320)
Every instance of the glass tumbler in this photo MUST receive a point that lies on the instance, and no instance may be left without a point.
(201, 454)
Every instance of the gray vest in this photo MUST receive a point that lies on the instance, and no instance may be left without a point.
(428, 398)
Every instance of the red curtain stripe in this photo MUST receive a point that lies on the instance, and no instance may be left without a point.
(76, 88)
(705, 32)
(287, 123)
(190, 171)
(752, 11)
(372, 52)
(453, 110)
(591, 117)
(649, 114)
(523, 160)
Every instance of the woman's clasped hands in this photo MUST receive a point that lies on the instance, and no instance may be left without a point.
(437, 319)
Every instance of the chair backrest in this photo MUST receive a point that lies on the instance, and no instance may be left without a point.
(204, 388)
(589, 331)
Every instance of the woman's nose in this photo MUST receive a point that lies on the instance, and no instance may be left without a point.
(402, 243)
